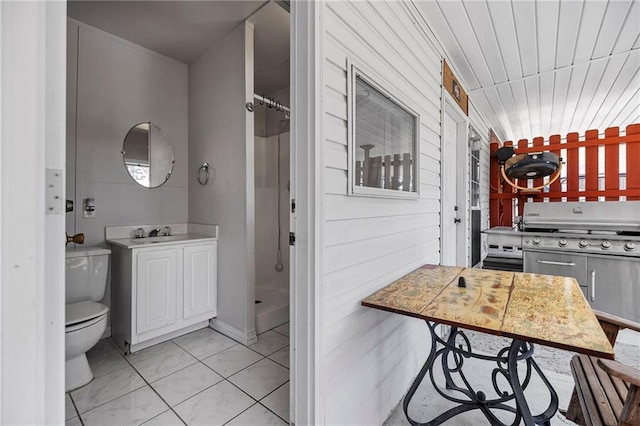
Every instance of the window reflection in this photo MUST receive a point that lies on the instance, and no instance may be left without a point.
(385, 141)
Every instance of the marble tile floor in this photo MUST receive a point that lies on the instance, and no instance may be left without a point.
(201, 378)
(427, 404)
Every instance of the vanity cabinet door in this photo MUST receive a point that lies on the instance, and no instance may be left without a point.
(156, 289)
(199, 280)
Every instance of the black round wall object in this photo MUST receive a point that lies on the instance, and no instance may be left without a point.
(532, 166)
(504, 153)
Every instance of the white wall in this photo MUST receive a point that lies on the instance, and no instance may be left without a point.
(222, 134)
(32, 88)
(119, 85)
(370, 357)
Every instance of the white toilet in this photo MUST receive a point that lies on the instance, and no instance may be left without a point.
(86, 271)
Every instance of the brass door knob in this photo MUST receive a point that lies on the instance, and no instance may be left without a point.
(78, 238)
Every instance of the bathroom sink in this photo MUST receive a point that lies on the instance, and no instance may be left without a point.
(160, 240)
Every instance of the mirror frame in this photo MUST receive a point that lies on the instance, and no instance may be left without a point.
(150, 142)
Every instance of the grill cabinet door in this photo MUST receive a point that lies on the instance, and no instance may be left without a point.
(614, 286)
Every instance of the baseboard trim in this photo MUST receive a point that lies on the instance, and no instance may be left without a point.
(171, 335)
(246, 338)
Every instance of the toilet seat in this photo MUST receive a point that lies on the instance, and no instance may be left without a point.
(83, 314)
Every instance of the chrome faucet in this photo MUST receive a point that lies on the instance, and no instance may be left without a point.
(154, 232)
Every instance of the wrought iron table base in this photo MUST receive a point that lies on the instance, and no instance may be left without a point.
(458, 348)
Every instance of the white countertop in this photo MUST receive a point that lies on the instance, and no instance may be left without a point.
(132, 243)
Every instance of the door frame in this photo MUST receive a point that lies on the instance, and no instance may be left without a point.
(462, 185)
(32, 214)
(305, 307)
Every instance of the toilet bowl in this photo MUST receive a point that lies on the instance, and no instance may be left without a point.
(86, 321)
(86, 271)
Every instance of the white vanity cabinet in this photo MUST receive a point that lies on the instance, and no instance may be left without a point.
(156, 276)
(160, 292)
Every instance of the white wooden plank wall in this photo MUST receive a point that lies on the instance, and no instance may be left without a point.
(370, 357)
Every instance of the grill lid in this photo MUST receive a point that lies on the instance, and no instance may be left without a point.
(610, 216)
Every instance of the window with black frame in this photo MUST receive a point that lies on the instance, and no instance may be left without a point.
(384, 142)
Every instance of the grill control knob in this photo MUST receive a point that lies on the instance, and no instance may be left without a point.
(536, 241)
(630, 247)
(606, 245)
(562, 243)
(583, 244)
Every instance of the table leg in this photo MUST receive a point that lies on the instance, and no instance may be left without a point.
(455, 350)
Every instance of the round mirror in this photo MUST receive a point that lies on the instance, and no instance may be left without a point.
(148, 155)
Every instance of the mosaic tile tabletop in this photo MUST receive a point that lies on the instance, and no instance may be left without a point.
(537, 308)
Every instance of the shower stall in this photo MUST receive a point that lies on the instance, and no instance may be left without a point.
(271, 155)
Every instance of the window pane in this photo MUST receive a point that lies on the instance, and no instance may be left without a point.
(385, 141)
(475, 178)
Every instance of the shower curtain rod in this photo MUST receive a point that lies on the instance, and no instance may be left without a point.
(270, 102)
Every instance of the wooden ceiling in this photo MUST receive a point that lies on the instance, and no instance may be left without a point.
(537, 68)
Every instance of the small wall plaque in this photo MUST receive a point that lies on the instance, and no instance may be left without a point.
(450, 82)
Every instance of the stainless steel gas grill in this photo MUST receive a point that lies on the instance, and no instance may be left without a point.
(598, 243)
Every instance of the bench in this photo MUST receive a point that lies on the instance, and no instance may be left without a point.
(606, 392)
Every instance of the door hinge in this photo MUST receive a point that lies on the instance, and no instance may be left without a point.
(292, 239)
(293, 205)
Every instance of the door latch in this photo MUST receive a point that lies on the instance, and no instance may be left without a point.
(292, 239)
(457, 220)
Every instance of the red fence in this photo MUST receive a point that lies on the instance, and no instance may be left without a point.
(585, 177)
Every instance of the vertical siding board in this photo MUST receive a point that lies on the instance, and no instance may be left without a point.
(556, 186)
(633, 154)
(612, 166)
(573, 167)
(371, 357)
(591, 165)
(369, 242)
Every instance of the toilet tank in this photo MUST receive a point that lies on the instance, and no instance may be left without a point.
(86, 273)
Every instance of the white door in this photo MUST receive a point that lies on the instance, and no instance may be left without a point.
(454, 176)
(156, 289)
(199, 280)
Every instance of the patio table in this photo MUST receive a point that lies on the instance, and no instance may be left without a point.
(527, 308)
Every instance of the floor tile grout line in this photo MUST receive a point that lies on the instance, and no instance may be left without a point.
(273, 412)
(111, 400)
(240, 413)
(279, 363)
(263, 358)
(244, 368)
(159, 396)
(75, 408)
(106, 402)
(166, 411)
(262, 399)
(274, 390)
(242, 390)
(211, 368)
(282, 334)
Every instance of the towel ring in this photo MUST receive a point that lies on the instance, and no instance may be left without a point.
(203, 174)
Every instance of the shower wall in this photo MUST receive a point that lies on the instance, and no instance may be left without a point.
(266, 204)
